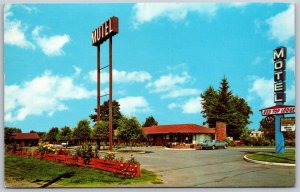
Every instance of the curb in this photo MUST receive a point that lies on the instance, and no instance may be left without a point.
(183, 149)
(268, 163)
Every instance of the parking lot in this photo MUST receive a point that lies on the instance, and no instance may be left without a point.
(212, 168)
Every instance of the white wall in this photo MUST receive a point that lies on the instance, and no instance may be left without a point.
(199, 138)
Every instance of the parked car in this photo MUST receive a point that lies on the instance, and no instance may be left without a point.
(213, 144)
(65, 144)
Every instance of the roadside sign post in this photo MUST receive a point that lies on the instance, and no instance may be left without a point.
(102, 33)
(279, 57)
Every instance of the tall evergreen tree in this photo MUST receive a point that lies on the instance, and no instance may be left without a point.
(104, 112)
(209, 102)
(222, 105)
(150, 121)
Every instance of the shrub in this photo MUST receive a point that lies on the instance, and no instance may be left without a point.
(13, 147)
(61, 152)
(46, 148)
(132, 160)
(85, 151)
(227, 140)
(110, 156)
(120, 159)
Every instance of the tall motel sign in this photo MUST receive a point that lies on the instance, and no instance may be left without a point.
(102, 33)
(282, 123)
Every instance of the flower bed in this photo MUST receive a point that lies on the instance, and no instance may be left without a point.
(183, 146)
(124, 168)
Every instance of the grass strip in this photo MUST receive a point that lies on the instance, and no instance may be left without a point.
(287, 157)
(62, 175)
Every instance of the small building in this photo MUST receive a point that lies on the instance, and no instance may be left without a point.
(256, 133)
(27, 139)
(162, 135)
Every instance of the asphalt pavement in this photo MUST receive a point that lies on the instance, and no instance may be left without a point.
(212, 168)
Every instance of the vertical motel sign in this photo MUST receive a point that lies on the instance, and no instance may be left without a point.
(279, 57)
(102, 33)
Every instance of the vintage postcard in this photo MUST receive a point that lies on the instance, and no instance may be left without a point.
(149, 95)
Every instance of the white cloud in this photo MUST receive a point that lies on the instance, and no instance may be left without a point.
(290, 64)
(121, 76)
(282, 25)
(264, 89)
(257, 60)
(43, 94)
(14, 31)
(191, 106)
(181, 92)
(290, 93)
(173, 105)
(77, 71)
(146, 12)
(30, 9)
(171, 86)
(133, 105)
(53, 45)
(168, 82)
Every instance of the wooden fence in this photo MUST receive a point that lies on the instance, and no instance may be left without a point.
(127, 169)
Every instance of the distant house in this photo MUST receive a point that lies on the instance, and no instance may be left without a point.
(184, 133)
(27, 139)
(256, 133)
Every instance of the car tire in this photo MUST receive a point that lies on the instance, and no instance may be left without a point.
(213, 147)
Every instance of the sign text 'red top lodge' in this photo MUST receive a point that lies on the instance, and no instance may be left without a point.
(108, 29)
(278, 109)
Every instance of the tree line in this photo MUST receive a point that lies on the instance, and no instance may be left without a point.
(128, 130)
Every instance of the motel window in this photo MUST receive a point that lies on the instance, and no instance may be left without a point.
(168, 137)
(150, 138)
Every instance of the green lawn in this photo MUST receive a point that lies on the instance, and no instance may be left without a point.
(287, 157)
(61, 175)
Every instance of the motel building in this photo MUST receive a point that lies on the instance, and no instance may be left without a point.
(187, 135)
(27, 139)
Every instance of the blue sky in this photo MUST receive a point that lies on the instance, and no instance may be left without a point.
(164, 57)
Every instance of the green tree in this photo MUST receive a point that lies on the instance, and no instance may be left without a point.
(82, 132)
(104, 112)
(268, 128)
(52, 135)
(9, 134)
(101, 131)
(150, 121)
(130, 130)
(209, 103)
(65, 133)
(222, 105)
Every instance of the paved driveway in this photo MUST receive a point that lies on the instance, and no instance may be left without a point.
(213, 168)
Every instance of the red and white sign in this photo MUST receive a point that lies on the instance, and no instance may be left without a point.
(278, 109)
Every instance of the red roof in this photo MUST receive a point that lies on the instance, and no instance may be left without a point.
(178, 128)
(27, 136)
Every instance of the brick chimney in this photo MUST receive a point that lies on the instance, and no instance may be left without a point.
(220, 133)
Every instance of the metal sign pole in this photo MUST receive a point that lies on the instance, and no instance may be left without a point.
(279, 138)
(110, 96)
(102, 33)
(98, 83)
